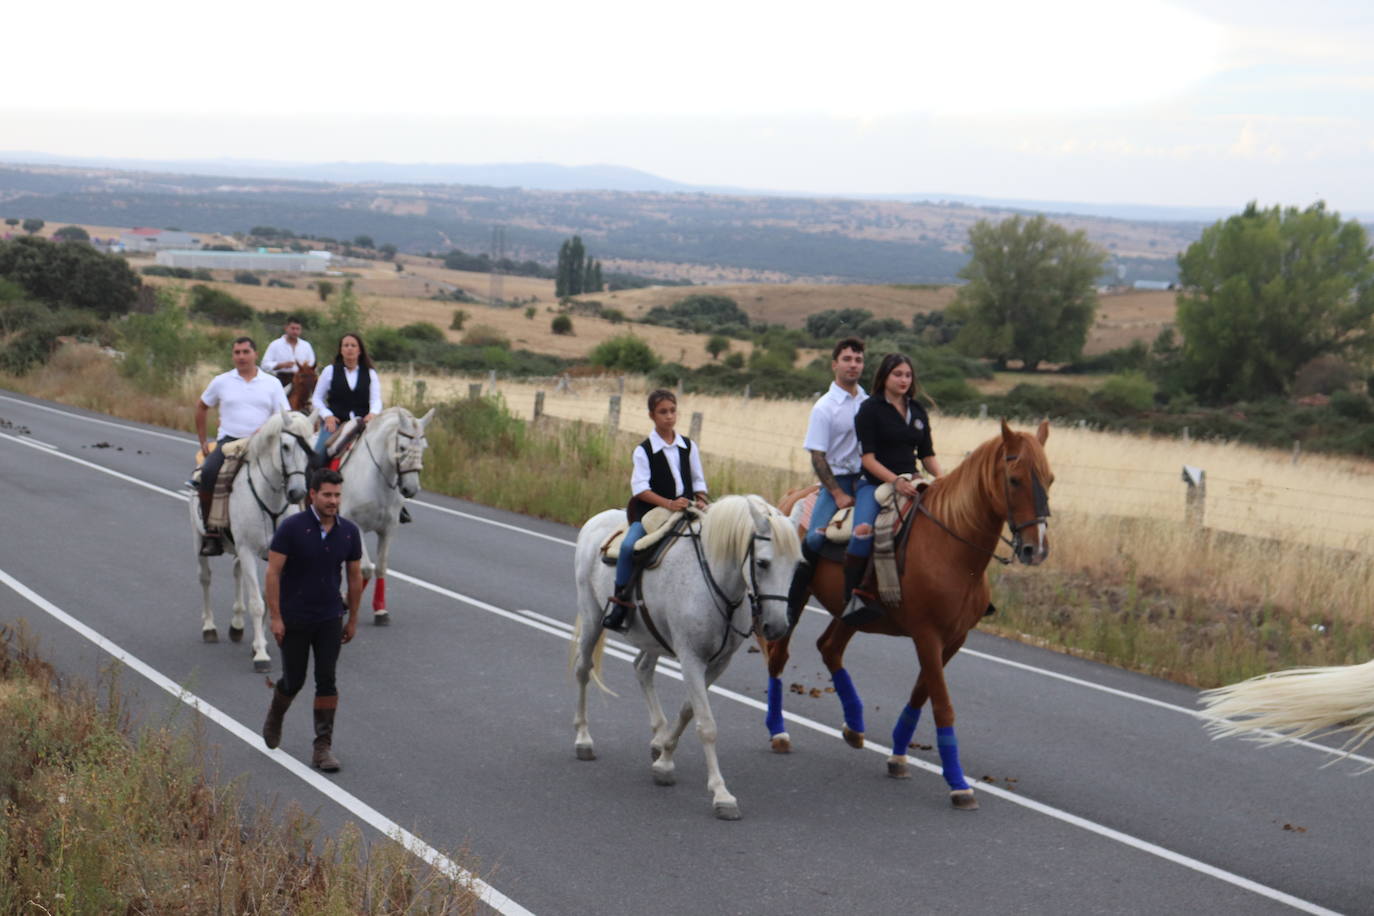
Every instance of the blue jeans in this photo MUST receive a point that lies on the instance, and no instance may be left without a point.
(865, 513)
(626, 563)
(825, 510)
(319, 440)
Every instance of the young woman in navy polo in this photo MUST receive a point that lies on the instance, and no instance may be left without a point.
(667, 473)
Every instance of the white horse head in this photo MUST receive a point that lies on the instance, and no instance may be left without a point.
(282, 445)
(749, 534)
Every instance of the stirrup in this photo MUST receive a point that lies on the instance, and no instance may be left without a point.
(211, 545)
(617, 613)
(861, 610)
(405, 516)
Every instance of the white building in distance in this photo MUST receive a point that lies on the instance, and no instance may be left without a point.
(310, 262)
(145, 239)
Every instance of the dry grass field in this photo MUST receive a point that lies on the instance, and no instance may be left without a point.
(1126, 317)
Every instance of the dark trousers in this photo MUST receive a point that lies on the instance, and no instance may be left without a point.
(209, 468)
(325, 638)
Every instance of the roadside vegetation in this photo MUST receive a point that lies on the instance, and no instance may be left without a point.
(105, 816)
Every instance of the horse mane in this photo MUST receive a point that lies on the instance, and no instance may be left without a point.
(728, 529)
(272, 428)
(960, 499)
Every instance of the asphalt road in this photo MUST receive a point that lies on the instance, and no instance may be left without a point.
(1104, 794)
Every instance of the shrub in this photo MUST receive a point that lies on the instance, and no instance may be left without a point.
(247, 278)
(218, 307)
(734, 360)
(72, 234)
(702, 313)
(561, 324)
(484, 335)
(459, 317)
(613, 315)
(389, 345)
(75, 275)
(1324, 375)
(1129, 391)
(530, 312)
(1352, 406)
(422, 331)
(626, 353)
(159, 348)
(280, 284)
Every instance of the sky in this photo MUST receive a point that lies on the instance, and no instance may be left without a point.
(1184, 103)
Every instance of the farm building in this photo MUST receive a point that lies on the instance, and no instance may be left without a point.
(145, 239)
(313, 262)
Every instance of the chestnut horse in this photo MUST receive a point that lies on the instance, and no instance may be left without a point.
(944, 591)
(302, 387)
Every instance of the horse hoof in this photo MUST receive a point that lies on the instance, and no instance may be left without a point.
(963, 800)
(262, 667)
(665, 778)
(236, 634)
(381, 619)
(585, 752)
(898, 769)
(727, 811)
(853, 739)
(781, 743)
(209, 635)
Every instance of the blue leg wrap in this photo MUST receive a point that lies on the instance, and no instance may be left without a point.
(904, 729)
(774, 719)
(849, 699)
(949, 758)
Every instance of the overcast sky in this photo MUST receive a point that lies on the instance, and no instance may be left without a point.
(1194, 102)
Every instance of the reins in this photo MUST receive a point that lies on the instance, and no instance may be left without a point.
(1042, 508)
(286, 481)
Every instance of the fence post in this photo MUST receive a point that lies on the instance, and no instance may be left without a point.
(474, 391)
(620, 389)
(420, 387)
(1195, 503)
(538, 404)
(1186, 440)
(491, 382)
(695, 433)
(613, 416)
(982, 411)
(1297, 450)
(748, 390)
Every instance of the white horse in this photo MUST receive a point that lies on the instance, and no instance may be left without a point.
(380, 472)
(741, 548)
(270, 484)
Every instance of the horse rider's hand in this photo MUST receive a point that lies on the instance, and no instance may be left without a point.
(702, 503)
(207, 447)
(679, 504)
(843, 501)
(905, 487)
(368, 419)
(350, 628)
(331, 423)
(278, 629)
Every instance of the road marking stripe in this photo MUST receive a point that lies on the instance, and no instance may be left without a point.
(185, 438)
(489, 895)
(90, 464)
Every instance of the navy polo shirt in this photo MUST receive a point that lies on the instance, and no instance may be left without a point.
(312, 573)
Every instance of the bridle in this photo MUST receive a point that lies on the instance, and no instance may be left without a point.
(407, 458)
(1015, 542)
(285, 474)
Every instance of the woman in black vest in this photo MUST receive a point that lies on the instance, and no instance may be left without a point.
(667, 473)
(348, 388)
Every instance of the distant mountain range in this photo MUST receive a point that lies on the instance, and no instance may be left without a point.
(545, 176)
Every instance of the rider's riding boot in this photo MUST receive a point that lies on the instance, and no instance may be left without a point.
(801, 585)
(211, 544)
(324, 734)
(618, 607)
(405, 516)
(859, 610)
(271, 729)
(992, 609)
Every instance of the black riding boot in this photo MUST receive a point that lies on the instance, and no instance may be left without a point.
(271, 728)
(618, 608)
(858, 609)
(211, 543)
(801, 585)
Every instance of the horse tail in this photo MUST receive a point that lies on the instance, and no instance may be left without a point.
(1297, 703)
(598, 654)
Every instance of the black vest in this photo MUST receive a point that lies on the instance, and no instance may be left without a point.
(344, 402)
(661, 477)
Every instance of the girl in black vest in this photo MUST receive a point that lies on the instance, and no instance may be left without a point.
(667, 473)
(347, 388)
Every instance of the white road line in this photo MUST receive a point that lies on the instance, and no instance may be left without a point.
(629, 653)
(563, 631)
(184, 438)
(489, 895)
(90, 464)
(508, 527)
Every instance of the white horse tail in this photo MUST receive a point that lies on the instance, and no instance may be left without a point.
(1297, 703)
(598, 654)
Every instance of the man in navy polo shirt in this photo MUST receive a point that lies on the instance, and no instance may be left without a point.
(303, 570)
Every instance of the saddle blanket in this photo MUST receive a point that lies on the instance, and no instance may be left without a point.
(657, 522)
(234, 451)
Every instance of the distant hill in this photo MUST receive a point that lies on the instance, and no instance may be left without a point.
(666, 233)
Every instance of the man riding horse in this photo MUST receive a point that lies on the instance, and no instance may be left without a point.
(246, 396)
(288, 353)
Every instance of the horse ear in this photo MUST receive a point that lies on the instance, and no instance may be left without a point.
(429, 415)
(1043, 432)
(1007, 434)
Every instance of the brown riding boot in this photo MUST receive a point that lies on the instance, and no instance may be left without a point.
(211, 544)
(271, 729)
(324, 734)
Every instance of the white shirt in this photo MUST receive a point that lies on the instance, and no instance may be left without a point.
(831, 429)
(374, 391)
(280, 350)
(639, 480)
(244, 405)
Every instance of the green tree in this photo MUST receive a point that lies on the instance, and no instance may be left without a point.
(11, 221)
(561, 324)
(32, 225)
(387, 251)
(75, 275)
(1267, 291)
(325, 289)
(717, 344)
(218, 307)
(626, 353)
(571, 276)
(1031, 292)
(72, 234)
(364, 241)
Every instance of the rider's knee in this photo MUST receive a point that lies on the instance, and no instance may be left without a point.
(863, 531)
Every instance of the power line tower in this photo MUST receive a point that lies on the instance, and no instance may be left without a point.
(496, 289)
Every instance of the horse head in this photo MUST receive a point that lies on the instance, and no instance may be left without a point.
(410, 448)
(296, 454)
(774, 550)
(1027, 480)
(303, 386)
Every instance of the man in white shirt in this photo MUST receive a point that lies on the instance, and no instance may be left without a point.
(288, 353)
(835, 456)
(246, 397)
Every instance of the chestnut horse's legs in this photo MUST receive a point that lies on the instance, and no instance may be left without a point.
(932, 655)
(776, 653)
(832, 645)
(905, 728)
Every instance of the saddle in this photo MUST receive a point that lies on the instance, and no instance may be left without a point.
(889, 533)
(661, 528)
(234, 453)
(339, 445)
